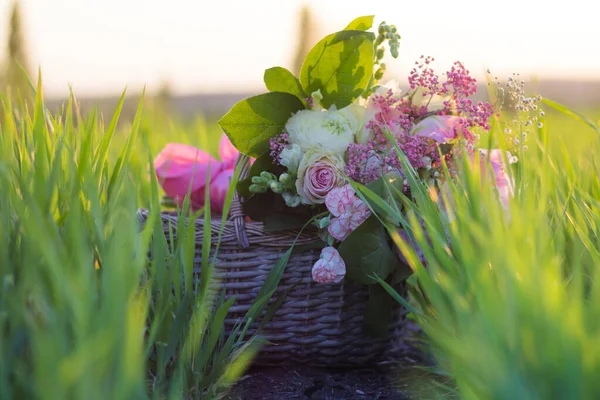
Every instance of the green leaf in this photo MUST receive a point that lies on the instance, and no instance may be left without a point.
(340, 66)
(278, 79)
(378, 312)
(396, 296)
(361, 23)
(366, 252)
(573, 114)
(252, 122)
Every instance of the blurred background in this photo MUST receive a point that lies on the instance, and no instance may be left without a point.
(200, 57)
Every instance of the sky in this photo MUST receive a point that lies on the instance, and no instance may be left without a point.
(102, 46)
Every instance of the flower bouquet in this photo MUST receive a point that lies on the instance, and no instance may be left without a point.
(320, 136)
(332, 150)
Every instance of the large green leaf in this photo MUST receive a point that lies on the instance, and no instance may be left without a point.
(252, 122)
(361, 23)
(341, 66)
(379, 312)
(278, 79)
(366, 252)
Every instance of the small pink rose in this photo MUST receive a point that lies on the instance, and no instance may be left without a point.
(318, 174)
(441, 128)
(181, 168)
(330, 268)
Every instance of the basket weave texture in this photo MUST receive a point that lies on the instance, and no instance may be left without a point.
(317, 324)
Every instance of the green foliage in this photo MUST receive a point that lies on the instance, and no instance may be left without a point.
(366, 252)
(341, 66)
(83, 314)
(278, 79)
(252, 122)
(361, 24)
(508, 298)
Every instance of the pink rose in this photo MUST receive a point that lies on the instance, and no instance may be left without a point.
(348, 211)
(440, 128)
(318, 174)
(330, 268)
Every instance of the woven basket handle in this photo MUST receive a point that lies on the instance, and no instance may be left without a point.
(237, 211)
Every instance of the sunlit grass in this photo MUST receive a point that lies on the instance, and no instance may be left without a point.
(509, 297)
(83, 313)
(510, 307)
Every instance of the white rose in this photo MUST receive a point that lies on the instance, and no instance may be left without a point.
(290, 157)
(331, 131)
(318, 174)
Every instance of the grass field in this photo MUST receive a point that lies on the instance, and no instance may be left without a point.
(512, 311)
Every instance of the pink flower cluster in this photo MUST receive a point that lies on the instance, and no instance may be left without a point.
(347, 209)
(416, 130)
(183, 169)
(458, 87)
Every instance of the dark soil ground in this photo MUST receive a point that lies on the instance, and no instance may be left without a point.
(385, 382)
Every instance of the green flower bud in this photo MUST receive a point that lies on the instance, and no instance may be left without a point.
(379, 73)
(380, 53)
(257, 189)
(284, 178)
(291, 200)
(256, 179)
(379, 40)
(276, 187)
(267, 176)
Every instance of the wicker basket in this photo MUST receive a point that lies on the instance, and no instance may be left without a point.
(317, 324)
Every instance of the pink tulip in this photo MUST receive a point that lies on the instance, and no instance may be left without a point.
(330, 268)
(441, 128)
(218, 190)
(227, 152)
(181, 168)
(348, 210)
